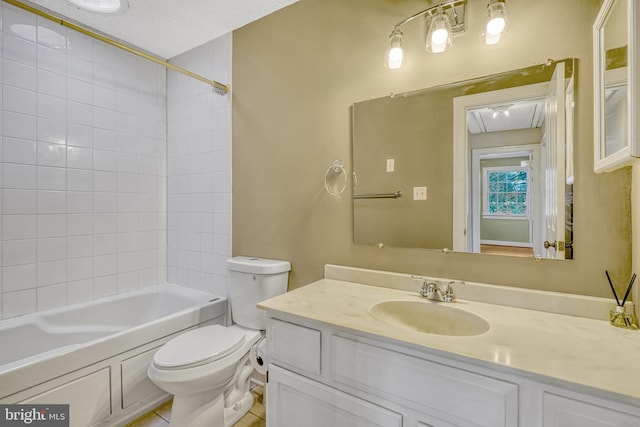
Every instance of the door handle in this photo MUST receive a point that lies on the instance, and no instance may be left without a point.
(548, 244)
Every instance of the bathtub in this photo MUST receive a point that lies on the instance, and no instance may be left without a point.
(94, 355)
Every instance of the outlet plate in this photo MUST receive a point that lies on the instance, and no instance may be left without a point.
(419, 193)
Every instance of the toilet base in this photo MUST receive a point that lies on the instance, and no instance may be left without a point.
(238, 410)
(201, 411)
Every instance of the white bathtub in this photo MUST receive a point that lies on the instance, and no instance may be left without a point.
(94, 355)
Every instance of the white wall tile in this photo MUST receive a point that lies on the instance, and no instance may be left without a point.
(105, 202)
(19, 75)
(82, 168)
(79, 135)
(79, 246)
(19, 100)
(52, 107)
(51, 225)
(18, 125)
(18, 49)
(105, 286)
(19, 176)
(80, 180)
(19, 151)
(18, 227)
(50, 83)
(18, 303)
(49, 154)
(105, 160)
(51, 296)
(18, 201)
(51, 273)
(51, 59)
(79, 158)
(18, 252)
(79, 113)
(79, 268)
(199, 173)
(79, 202)
(79, 291)
(51, 178)
(79, 224)
(18, 277)
(104, 265)
(51, 202)
(104, 244)
(104, 139)
(52, 249)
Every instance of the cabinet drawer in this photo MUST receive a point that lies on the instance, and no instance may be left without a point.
(295, 401)
(294, 346)
(560, 411)
(461, 397)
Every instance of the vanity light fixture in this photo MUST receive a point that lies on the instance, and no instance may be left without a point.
(501, 110)
(439, 33)
(100, 6)
(495, 22)
(443, 22)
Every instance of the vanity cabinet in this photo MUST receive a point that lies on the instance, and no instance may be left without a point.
(321, 375)
(561, 411)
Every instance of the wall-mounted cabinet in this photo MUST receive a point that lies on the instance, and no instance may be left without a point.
(616, 93)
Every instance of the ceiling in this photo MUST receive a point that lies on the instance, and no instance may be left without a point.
(497, 118)
(168, 28)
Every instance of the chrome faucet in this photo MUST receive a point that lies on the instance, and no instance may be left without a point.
(431, 291)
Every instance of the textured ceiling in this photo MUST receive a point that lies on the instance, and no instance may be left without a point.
(169, 27)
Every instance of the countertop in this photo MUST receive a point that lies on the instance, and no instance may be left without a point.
(578, 350)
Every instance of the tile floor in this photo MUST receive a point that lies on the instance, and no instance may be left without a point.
(159, 417)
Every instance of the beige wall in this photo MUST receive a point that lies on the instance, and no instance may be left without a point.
(296, 74)
(412, 130)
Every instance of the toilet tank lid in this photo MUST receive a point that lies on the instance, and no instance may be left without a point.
(255, 265)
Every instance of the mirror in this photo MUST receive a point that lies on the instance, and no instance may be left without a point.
(466, 166)
(615, 143)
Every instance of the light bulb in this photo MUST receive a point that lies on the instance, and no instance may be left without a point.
(439, 37)
(394, 54)
(439, 34)
(100, 6)
(496, 25)
(395, 58)
(495, 22)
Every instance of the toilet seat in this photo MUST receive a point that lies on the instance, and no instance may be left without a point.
(199, 347)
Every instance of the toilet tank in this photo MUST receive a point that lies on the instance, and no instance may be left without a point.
(252, 280)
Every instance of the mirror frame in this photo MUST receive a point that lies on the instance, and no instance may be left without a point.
(631, 151)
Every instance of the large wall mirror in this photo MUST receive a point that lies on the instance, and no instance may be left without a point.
(483, 165)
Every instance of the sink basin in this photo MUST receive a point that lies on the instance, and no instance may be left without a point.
(429, 317)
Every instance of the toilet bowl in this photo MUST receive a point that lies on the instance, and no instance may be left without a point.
(208, 369)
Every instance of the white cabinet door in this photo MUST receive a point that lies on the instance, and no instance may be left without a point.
(561, 411)
(295, 401)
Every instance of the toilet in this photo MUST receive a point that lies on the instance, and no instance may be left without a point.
(208, 369)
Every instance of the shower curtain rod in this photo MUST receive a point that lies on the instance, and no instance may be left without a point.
(219, 88)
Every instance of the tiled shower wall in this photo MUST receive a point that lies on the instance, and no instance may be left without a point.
(199, 165)
(83, 167)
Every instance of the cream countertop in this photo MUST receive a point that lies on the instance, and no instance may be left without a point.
(582, 351)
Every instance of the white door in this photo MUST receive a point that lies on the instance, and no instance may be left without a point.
(554, 153)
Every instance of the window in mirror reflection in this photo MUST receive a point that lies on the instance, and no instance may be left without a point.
(506, 192)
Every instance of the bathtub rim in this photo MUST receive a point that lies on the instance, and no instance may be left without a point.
(33, 370)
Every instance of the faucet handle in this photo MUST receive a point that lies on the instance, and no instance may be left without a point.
(424, 288)
(448, 294)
